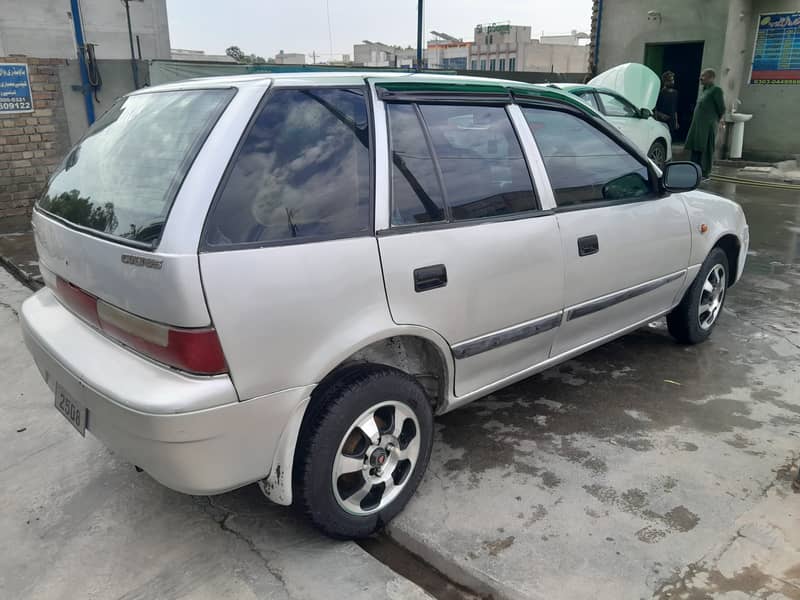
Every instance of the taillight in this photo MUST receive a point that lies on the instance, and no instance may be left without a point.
(81, 303)
(193, 350)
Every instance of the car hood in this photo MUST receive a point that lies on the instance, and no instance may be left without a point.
(637, 83)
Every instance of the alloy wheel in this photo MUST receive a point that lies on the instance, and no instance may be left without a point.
(711, 297)
(658, 154)
(376, 458)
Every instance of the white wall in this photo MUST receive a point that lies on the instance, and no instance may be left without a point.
(558, 58)
(43, 29)
(626, 29)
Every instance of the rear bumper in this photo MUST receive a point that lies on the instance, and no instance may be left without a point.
(189, 433)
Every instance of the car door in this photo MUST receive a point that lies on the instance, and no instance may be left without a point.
(625, 117)
(626, 247)
(466, 250)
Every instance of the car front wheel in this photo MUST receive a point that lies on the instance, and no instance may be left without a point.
(693, 320)
(363, 450)
(658, 153)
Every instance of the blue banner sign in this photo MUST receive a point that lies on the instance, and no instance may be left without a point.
(15, 89)
(776, 59)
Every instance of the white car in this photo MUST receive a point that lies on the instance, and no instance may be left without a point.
(282, 278)
(626, 96)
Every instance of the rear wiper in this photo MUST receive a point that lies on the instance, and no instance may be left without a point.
(149, 233)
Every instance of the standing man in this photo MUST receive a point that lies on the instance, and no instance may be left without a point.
(667, 104)
(702, 134)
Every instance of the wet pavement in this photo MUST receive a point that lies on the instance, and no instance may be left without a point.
(643, 468)
(78, 523)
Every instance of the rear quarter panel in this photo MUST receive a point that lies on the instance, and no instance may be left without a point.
(288, 315)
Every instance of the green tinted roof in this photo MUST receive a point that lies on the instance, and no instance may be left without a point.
(427, 82)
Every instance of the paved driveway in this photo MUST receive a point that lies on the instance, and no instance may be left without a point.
(643, 468)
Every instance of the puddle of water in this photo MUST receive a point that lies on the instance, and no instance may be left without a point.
(410, 566)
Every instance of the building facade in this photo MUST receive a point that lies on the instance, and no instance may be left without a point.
(685, 36)
(377, 54)
(289, 58)
(505, 47)
(499, 47)
(447, 52)
(44, 29)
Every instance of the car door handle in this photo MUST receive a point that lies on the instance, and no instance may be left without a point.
(588, 245)
(430, 278)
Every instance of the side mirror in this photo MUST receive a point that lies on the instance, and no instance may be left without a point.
(681, 176)
(645, 113)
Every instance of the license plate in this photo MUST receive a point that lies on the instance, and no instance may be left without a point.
(73, 410)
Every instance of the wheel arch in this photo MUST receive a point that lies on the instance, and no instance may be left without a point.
(417, 351)
(732, 247)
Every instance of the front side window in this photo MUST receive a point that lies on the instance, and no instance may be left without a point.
(482, 166)
(616, 106)
(583, 163)
(122, 177)
(301, 172)
(416, 194)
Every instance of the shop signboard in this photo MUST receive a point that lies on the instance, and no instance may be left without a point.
(15, 89)
(776, 58)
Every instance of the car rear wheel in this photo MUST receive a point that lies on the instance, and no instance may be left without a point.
(364, 447)
(658, 153)
(693, 320)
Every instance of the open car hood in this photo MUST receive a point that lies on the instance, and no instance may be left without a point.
(637, 83)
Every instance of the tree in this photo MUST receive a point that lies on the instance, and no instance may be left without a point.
(235, 53)
(240, 57)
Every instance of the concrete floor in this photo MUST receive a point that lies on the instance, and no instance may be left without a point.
(642, 469)
(75, 522)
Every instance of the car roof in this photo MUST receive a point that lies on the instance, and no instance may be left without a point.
(397, 79)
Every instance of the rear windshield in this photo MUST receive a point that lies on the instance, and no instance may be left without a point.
(122, 177)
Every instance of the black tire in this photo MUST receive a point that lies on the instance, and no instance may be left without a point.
(658, 153)
(331, 414)
(684, 320)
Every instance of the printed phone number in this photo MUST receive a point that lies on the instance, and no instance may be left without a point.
(16, 106)
(778, 81)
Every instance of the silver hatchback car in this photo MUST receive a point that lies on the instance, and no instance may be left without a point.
(282, 279)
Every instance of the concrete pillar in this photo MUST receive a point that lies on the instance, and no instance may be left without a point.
(735, 64)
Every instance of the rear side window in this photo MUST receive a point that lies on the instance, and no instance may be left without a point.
(483, 169)
(416, 194)
(583, 163)
(122, 177)
(302, 171)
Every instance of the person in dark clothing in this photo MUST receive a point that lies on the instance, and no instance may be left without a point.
(702, 135)
(667, 103)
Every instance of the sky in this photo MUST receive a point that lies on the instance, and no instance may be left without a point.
(264, 27)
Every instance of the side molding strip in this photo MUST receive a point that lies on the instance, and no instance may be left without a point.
(507, 336)
(593, 306)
